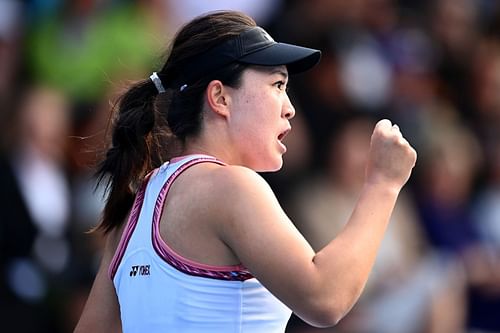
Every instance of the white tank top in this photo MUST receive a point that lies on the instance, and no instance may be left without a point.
(160, 291)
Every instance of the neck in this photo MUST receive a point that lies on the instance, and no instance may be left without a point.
(210, 145)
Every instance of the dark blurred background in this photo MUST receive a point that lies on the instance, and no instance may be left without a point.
(432, 67)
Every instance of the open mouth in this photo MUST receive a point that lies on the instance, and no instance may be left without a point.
(283, 134)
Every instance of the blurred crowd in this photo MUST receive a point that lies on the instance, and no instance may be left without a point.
(432, 67)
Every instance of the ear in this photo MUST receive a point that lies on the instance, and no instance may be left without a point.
(218, 98)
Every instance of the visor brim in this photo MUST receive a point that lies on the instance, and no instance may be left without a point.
(297, 58)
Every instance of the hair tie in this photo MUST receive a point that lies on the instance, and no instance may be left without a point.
(157, 82)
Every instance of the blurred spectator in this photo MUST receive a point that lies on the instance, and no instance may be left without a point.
(485, 88)
(449, 169)
(35, 199)
(455, 28)
(484, 292)
(416, 86)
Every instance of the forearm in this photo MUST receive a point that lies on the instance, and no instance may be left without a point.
(343, 266)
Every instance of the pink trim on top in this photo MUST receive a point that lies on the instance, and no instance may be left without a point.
(233, 273)
(180, 158)
(129, 228)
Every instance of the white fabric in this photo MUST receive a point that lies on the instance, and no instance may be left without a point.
(159, 298)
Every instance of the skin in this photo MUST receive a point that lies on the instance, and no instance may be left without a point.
(243, 128)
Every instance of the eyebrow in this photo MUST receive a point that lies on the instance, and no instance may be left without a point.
(280, 72)
(271, 70)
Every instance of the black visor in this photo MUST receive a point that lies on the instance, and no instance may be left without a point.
(253, 47)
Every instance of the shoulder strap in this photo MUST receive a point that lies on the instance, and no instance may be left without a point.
(171, 170)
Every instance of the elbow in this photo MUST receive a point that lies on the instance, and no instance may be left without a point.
(327, 310)
(324, 314)
(325, 319)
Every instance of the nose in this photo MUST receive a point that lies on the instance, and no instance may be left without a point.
(288, 109)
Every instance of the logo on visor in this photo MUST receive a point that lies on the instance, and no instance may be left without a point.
(267, 36)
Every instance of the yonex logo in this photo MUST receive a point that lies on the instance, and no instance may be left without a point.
(141, 270)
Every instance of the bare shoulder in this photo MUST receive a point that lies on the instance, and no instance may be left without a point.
(238, 178)
(231, 197)
(229, 182)
(236, 187)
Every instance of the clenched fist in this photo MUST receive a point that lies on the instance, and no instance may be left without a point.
(391, 157)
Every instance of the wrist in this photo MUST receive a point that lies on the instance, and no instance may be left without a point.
(384, 189)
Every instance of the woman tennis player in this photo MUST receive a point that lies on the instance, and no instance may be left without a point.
(196, 240)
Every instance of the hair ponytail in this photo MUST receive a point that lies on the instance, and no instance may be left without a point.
(132, 152)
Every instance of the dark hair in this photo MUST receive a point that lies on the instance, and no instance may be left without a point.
(147, 125)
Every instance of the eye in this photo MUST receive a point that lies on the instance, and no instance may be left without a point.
(281, 85)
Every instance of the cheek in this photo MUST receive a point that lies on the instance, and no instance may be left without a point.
(252, 135)
(252, 112)
(255, 119)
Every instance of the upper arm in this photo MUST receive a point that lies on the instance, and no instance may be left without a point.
(102, 312)
(265, 240)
